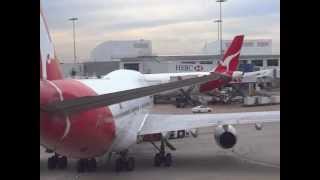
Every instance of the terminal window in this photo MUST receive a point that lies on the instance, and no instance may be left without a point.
(257, 62)
(272, 62)
(243, 61)
(262, 44)
(131, 66)
(248, 44)
(206, 62)
(188, 62)
(141, 45)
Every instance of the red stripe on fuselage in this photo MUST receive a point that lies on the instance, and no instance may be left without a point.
(91, 132)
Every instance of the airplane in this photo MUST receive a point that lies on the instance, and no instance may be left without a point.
(87, 118)
(228, 65)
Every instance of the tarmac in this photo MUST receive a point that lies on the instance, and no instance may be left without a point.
(255, 156)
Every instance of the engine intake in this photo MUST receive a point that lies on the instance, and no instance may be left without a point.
(225, 136)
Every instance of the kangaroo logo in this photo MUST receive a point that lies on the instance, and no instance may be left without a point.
(226, 62)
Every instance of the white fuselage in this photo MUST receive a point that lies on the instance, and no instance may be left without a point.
(129, 115)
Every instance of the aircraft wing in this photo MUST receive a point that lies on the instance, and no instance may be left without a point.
(166, 77)
(89, 102)
(160, 123)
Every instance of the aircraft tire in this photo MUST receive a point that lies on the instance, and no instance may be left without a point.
(130, 164)
(157, 160)
(62, 162)
(168, 160)
(52, 162)
(119, 165)
(92, 165)
(81, 165)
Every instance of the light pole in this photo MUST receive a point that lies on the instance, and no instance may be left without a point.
(218, 22)
(73, 19)
(220, 1)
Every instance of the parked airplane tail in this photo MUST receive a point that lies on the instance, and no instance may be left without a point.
(230, 60)
(49, 64)
(227, 65)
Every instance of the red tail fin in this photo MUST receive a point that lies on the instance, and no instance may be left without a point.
(230, 60)
(49, 65)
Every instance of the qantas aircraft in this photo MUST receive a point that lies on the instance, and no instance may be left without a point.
(227, 65)
(85, 119)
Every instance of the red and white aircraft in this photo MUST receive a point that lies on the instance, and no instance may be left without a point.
(85, 119)
(227, 66)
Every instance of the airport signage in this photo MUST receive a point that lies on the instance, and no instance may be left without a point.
(189, 67)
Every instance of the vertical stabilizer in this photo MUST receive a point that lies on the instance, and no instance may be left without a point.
(49, 64)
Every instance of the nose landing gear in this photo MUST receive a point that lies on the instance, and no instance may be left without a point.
(162, 157)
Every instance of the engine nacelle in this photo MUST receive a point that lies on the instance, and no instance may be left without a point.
(237, 76)
(225, 136)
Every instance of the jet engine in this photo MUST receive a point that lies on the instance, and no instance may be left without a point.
(237, 76)
(225, 136)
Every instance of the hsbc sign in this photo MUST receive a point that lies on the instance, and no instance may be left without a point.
(189, 67)
(198, 67)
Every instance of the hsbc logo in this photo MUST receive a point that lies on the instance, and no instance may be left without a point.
(198, 68)
(189, 67)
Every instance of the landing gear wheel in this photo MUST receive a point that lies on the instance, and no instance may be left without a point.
(130, 164)
(62, 162)
(52, 162)
(168, 160)
(119, 165)
(81, 165)
(157, 160)
(92, 165)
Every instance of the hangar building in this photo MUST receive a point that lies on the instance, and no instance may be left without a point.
(166, 64)
(137, 55)
(250, 47)
(110, 50)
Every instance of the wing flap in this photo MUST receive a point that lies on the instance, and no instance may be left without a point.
(158, 123)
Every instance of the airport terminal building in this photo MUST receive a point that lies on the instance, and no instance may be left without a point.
(169, 64)
(249, 47)
(137, 55)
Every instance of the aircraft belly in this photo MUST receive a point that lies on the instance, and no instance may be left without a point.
(128, 115)
(128, 124)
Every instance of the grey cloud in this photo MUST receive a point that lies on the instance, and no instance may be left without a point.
(60, 10)
(98, 18)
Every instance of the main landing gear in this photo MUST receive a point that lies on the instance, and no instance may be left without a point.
(56, 161)
(89, 165)
(124, 162)
(162, 157)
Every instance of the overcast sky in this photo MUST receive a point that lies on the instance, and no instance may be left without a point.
(176, 27)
